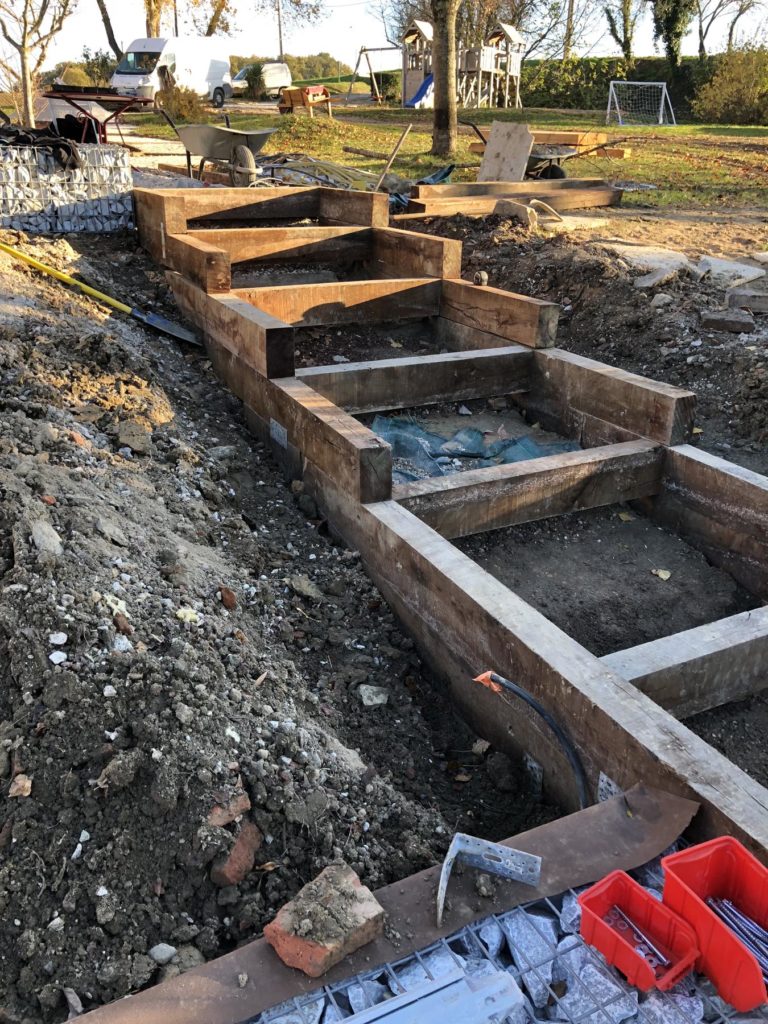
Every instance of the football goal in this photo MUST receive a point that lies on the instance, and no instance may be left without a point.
(639, 103)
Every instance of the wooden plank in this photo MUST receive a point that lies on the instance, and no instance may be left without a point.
(290, 244)
(568, 138)
(221, 204)
(615, 152)
(296, 415)
(485, 206)
(515, 317)
(701, 668)
(465, 621)
(421, 380)
(348, 301)
(458, 337)
(720, 508)
(398, 253)
(522, 492)
(159, 212)
(205, 264)
(566, 388)
(507, 149)
(262, 342)
(484, 189)
(339, 206)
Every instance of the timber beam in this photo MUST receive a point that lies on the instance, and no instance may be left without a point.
(421, 380)
(701, 668)
(522, 492)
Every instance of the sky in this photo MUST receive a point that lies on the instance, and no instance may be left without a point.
(348, 25)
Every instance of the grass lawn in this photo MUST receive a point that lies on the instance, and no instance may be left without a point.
(690, 165)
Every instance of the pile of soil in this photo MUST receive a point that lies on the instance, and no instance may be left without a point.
(605, 317)
(182, 651)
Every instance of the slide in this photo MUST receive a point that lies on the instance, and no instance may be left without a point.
(424, 95)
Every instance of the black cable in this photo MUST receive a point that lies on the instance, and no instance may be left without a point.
(568, 749)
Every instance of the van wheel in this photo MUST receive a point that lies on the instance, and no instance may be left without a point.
(218, 97)
(243, 170)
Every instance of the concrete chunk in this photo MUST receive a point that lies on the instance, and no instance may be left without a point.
(748, 298)
(736, 321)
(729, 272)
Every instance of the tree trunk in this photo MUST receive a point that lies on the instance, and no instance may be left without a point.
(213, 23)
(702, 43)
(444, 129)
(108, 28)
(568, 37)
(154, 9)
(27, 89)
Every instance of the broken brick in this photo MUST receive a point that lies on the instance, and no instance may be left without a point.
(330, 918)
(47, 499)
(228, 598)
(240, 859)
(229, 807)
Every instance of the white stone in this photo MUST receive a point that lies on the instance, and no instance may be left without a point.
(162, 953)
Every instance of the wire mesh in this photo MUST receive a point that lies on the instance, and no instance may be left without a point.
(562, 978)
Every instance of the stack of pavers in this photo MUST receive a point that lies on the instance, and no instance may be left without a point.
(38, 195)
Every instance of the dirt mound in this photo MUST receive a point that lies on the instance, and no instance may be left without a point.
(605, 317)
(181, 652)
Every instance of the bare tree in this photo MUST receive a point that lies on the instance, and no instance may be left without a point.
(622, 17)
(738, 10)
(153, 13)
(28, 28)
(707, 13)
(111, 39)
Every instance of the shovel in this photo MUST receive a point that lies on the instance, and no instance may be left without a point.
(159, 323)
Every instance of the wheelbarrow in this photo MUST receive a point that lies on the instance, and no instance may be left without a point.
(227, 147)
(547, 161)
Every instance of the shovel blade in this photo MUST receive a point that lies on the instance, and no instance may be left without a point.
(159, 323)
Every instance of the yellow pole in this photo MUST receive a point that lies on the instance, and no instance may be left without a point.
(52, 272)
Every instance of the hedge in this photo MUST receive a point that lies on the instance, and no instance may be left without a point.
(581, 83)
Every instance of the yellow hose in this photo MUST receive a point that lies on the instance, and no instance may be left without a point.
(52, 272)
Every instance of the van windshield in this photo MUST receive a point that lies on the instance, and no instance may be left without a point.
(139, 63)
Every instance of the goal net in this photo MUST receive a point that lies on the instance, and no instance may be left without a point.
(639, 103)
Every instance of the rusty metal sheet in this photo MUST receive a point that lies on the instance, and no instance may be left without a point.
(623, 832)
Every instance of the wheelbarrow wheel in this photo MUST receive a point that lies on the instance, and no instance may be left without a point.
(553, 171)
(243, 171)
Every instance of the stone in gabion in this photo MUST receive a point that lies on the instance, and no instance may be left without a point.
(38, 196)
(532, 940)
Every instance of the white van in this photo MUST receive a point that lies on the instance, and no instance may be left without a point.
(276, 76)
(200, 63)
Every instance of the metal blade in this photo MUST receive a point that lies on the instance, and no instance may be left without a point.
(166, 326)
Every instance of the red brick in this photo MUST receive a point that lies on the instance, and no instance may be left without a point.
(240, 859)
(228, 598)
(330, 918)
(227, 808)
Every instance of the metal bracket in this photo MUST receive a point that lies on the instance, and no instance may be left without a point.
(485, 856)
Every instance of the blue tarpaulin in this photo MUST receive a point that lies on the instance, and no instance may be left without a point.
(432, 454)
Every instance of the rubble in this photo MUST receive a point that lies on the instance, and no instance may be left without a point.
(329, 918)
(168, 748)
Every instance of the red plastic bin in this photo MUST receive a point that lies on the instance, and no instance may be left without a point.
(666, 930)
(721, 868)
